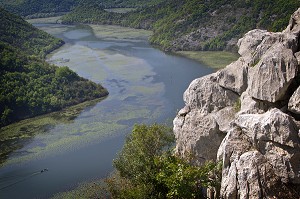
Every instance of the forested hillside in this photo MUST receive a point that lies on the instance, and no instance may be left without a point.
(29, 85)
(16, 32)
(30, 7)
(45, 8)
(195, 24)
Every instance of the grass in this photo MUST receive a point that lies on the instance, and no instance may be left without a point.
(120, 33)
(45, 20)
(213, 59)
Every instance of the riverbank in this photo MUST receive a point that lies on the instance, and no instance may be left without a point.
(50, 20)
(213, 59)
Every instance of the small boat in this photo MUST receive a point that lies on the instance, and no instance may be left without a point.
(44, 170)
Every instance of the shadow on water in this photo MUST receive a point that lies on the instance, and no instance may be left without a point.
(16, 136)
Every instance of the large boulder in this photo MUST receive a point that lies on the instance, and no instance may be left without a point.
(206, 95)
(261, 156)
(249, 43)
(198, 126)
(294, 24)
(271, 77)
(198, 136)
(249, 105)
(234, 76)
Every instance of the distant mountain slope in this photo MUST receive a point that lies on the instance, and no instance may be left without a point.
(195, 24)
(44, 8)
(28, 85)
(29, 7)
(22, 35)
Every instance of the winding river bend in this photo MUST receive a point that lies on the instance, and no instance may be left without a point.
(78, 144)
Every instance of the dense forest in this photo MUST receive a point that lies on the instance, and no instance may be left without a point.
(14, 31)
(29, 85)
(32, 7)
(194, 24)
(46, 8)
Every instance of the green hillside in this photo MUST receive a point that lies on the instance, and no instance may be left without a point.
(16, 32)
(195, 24)
(46, 8)
(30, 7)
(29, 85)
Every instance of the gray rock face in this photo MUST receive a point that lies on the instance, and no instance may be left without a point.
(270, 78)
(249, 43)
(294, 102)
(197, 136)
(200, 120)
(234, 76)
(206, 95)
(247, 103)
(259, 155)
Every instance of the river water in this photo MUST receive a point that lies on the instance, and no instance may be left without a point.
(145, 84)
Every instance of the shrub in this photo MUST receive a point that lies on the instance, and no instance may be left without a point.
(146, 168)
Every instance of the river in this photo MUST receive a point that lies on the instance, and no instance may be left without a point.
(78, 145)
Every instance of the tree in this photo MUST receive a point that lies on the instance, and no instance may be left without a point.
(65, 72)
(147, 168)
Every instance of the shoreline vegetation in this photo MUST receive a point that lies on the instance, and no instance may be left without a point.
(213, 59)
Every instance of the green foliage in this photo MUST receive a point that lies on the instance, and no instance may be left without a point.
(29, 85)
(88, 13)
(170, 19)
(184, 180)
(136, 159)
(237, 105)
(147, 169)
(16, 32)
(65, 72)
(44, 8)
(30, 7)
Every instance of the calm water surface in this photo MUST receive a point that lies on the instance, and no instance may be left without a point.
(145, 84)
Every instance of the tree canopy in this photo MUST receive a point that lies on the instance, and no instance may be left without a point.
(146, 168)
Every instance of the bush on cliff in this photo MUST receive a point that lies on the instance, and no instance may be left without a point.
(146, 168)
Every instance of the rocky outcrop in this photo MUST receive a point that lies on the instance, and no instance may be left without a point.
(245, 115)
(198, 126)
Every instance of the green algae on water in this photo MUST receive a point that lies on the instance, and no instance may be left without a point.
(13, 137)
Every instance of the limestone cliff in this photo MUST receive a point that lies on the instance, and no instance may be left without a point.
(247, 116)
